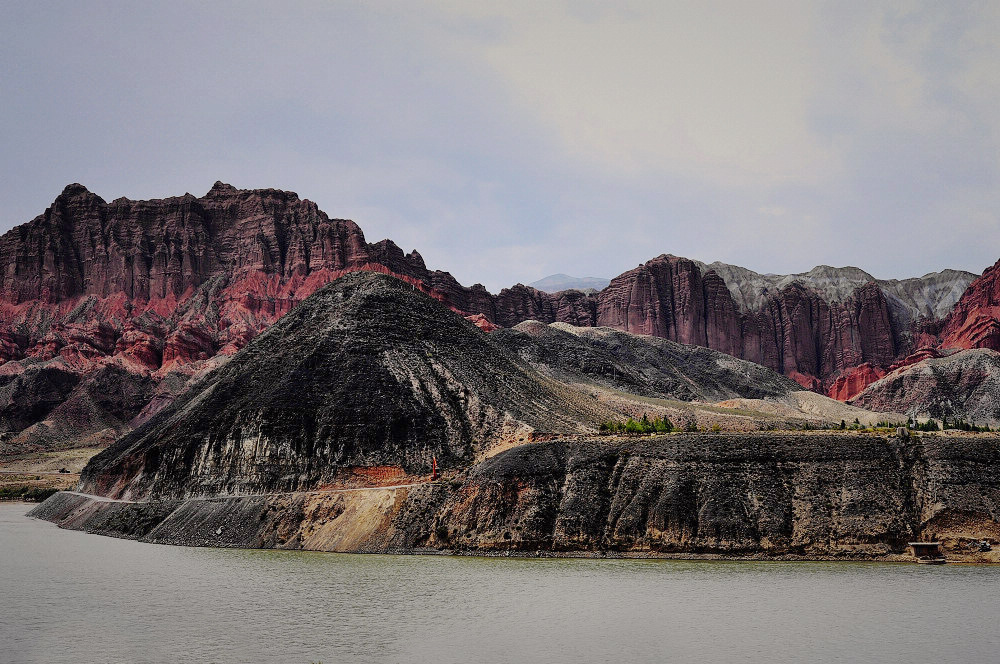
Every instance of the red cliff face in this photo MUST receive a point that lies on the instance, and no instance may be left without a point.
(174, 280)
(853, 381)
(170, 287)
(796, 332)
(153, 288)
(975, 320)
(832, 330)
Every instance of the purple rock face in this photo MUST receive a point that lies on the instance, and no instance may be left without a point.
(171, 285)
(975, 320)
(797, 331)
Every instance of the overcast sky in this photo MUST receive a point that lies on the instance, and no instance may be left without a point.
(508, 141)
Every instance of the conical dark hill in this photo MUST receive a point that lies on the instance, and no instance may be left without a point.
(365, 372)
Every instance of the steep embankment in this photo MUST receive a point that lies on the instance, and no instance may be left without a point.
(367, 371)
(762, 494)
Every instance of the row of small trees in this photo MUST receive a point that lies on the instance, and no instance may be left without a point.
(664, 425)
(957, 423)
(930, 425)
(644, 425)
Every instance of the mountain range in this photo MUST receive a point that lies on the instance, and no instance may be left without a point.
(372, 418)
(109, 311)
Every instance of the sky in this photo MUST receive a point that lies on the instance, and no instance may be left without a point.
(509, 141)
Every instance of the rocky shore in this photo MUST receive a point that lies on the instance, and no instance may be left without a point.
(766, 495)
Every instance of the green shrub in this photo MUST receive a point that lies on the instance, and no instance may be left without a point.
(633, 426)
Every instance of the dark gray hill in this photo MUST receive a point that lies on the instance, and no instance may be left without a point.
(644, 365)
(965, 384)
(365, 372)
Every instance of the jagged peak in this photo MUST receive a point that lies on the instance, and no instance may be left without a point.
(221, 187)
(74, 189)
(416, 259)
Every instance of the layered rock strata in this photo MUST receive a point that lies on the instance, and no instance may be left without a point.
(963, 384)
(172, 286)
(156, 293)
(975, 320)
(368, 371)
(812, 327)
(759, 495)
(640, 364)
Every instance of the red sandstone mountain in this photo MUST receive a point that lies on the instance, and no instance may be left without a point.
(144, 294)
(832, 329)
(964, 383)
(975, 320)
(946, 383)
(108, 309)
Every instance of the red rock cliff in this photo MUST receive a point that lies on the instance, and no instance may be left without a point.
(796, 331)
(173, 280)
(975, 320)
(151, 287)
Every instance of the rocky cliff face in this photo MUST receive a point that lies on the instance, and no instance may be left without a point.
(941, 383)
(172, 280)
(368, 371)
(963, 384)
(762, 495)
(975, 320)
(730, 494)
(816, 327)
(795, 331)
(157, 290)
(171, 287)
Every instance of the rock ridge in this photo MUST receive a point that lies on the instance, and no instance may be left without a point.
(369, 372)
(174, 286)
(739, 495)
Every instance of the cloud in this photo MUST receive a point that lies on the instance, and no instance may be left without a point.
(772, 210)
(509, 141)
(715, 90)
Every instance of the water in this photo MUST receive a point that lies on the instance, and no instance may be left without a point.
(72, 597)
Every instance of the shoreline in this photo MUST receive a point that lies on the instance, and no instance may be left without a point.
(68, 522)
(638, 556)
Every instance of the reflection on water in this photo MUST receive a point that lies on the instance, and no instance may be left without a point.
(72, 597)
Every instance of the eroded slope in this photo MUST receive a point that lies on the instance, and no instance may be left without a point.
(964, 384)
(640, 364)
(368, 371)
(762, 495)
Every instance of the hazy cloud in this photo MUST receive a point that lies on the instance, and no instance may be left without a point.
(506, 142)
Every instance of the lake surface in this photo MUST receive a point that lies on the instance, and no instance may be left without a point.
(72, 597)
